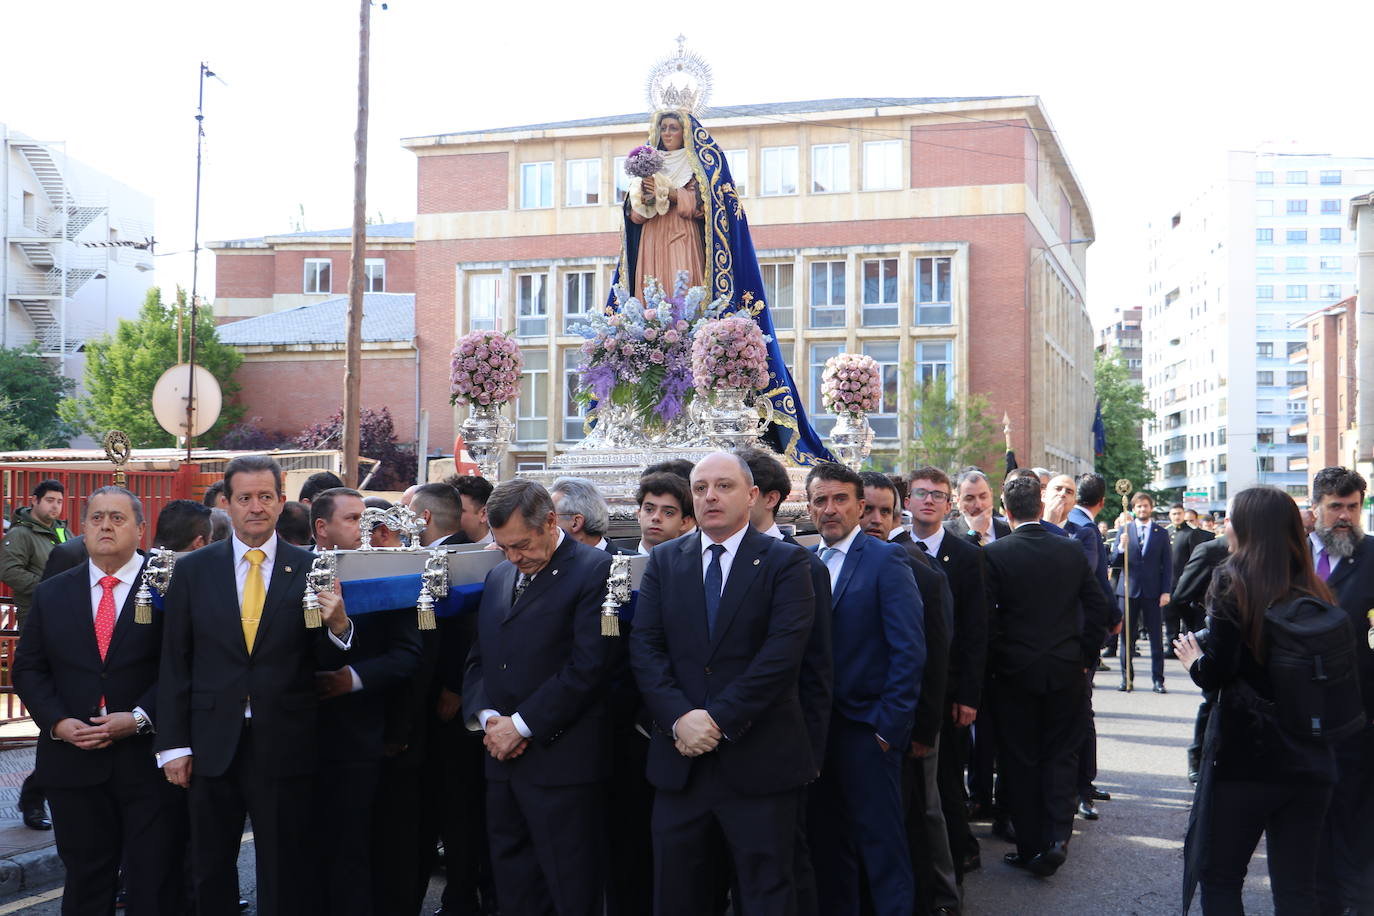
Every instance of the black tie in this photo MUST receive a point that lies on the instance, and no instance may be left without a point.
(522, 582)
(714, 582)
(975, 537)
(922, 545)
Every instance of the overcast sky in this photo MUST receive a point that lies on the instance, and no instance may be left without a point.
(1145, 96)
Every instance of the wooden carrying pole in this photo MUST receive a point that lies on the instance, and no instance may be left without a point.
(353, 352)
(1127, 639)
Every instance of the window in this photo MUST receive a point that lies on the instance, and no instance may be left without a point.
(1264, 178)
(1297, 236)
(779, 294)
(1266, 463)
(882, 165)
(1331, 291)
(1296, 490)
(884, 419)
(737, 160)
(1221, 462)
(483, 294)
(584, 182)
(1295, 207)
(532, 407)
(1316, 405)
(1264, 236)
(880, 293)
(1332, 176)
(579, 296)
(1265, 377)
(1331, 263)
(572, 410)
(1264, 349)
(374, 275)
(935, 359)
(1296, 291)
(779, 170)
(622, 181)
(1331, 236)
(1295, 345)
(536, 185)
(1264, 208)
(1302, 440)
(934, 296)
(827, 294)
(531, 305)
(1264, 292)
(821, 352)
(1264, 265)
(1264, 405)
(1296, 178)
(1297, 377)
(1331, 206)
(1295, 264)
(829, 168)
(316, 275)
(1221, 435)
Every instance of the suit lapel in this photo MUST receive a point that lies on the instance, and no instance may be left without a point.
(1346, 567)
(125, 622)
(743, 570)
(82, 623)
(695, 584)
(506, 583)
(851, 559)
(544, 579)
(285, 568)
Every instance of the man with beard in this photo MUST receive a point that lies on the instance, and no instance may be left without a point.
(1344, 557)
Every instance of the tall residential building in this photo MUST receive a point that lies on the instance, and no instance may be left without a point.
(76, 253)
(1233, 274)
(1122, 334)
(945, 237)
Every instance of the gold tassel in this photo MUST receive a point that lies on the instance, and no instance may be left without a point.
(143, 606)
(425, 620)
(311, 603)
(610, 623)
(424, 610)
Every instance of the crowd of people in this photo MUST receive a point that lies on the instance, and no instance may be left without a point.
(775, 730)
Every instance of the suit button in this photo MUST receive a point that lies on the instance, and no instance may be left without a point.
(503, 666)
(104, 676)
(708, 669)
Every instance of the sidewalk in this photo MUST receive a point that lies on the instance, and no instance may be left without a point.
(28, 858)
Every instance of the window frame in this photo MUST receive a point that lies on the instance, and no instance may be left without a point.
(545, 174)
(491, 321)
(887, 415)
(740, 157)
(839, 177)
(893, 181)
(327, 273)
(586, 283)
(828, 308)
(571, 359)
(781, 156)
(532, 313)
(934, 304)
(590, 198)
(525, 407)
(368, 276)
(874, 314)
(769, 272)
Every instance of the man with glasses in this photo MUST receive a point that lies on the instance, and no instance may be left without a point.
(962, 563)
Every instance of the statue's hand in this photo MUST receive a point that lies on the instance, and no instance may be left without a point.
(649, 188)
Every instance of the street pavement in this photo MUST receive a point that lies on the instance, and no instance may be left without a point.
(1129, 863)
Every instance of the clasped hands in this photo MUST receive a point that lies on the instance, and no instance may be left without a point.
(102, 732)
(696, 733)
(503, 741)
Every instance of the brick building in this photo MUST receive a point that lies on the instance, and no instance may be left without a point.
(941, 236)
(277, 272)
(1329, 357)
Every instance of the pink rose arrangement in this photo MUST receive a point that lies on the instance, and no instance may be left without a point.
(850, 384)
(730, 352)
(485, 369)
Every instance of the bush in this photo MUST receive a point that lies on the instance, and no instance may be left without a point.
(377, 439)
(250, 437)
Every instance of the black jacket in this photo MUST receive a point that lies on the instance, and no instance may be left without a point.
(937, 598)
(964, 568)
(1183, 541)
(385, 654)
(1197, 572)
(1353, 582)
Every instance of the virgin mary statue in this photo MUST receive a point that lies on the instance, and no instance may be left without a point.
(689, 217)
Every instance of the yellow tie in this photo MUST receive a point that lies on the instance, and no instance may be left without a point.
(254, 597)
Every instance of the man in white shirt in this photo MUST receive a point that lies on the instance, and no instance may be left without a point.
(976, 520)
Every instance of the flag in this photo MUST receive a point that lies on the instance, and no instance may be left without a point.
(1099, 433)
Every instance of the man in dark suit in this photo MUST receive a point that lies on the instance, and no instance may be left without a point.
(877, 629)
(1144, 554)
(67, 555)
(1344, 555)
(976, 520)
(237, 698)
(937, 885)
(722, 625)
(1183, 538)
(353, 690)
(583, 513)
(1048, 621)
(536, 687)
(87, 671)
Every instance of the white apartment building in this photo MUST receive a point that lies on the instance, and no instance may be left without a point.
(74, 255)
(1232, 274)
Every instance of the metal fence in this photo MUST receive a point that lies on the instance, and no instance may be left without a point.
(11, 707)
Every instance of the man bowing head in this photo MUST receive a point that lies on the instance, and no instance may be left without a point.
(722, 623)
(536, 686)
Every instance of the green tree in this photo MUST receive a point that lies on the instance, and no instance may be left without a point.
(1123, 416)
(122, 369)
(31, 388)
(946, 433)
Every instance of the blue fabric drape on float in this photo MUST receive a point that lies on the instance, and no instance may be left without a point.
(732, 272)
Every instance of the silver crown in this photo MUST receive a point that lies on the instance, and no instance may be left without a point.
(679, 82)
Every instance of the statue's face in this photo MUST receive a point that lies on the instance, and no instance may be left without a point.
(670, 133)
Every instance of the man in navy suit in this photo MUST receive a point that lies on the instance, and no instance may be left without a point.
(88, 674)
(1144, 552)
(857, 824)
(722, 624)
(536, 687)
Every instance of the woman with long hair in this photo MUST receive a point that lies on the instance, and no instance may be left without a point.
(1256, 777)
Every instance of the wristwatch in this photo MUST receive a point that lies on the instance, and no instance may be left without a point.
(142, 724)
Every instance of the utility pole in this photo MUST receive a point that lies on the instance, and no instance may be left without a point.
(353, 353)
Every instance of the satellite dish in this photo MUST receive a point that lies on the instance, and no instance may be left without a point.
(169, 400)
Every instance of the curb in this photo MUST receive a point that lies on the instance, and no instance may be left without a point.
(30, 870)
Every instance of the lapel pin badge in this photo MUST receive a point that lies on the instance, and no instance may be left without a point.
(287, 568)
(756, 561)
(555, 572)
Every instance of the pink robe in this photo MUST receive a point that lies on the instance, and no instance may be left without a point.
(671, 242)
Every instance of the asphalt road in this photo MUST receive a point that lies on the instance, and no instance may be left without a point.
(1129, 863)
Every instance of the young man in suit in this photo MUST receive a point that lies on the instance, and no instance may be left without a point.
(536, 688)
(664, 512)
(237, 698)
(88, 672)
(976, 520)
(1344, 555)
(857, 824)
(722, 625)
(1048, 621)
(1143, 553)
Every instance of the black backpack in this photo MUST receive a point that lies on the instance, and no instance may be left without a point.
(1313, 670)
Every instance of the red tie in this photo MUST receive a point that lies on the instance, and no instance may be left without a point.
(105, 615)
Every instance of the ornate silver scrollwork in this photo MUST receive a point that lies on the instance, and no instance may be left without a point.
(323, 576)
(618, 591)
(157, 575)
(433, 584)
(399, 519)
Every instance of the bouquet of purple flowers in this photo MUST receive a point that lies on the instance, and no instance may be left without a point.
(485, 369)
(643, 161)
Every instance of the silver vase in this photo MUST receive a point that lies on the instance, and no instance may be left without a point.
(851, 439)
(486, 433)
(729, 421)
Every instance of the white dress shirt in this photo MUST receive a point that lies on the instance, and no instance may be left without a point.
(731, 545)
(1317, 548)
(127, 576)
(934, 541)
(775, 532)
(835, 560)
(990, 535)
